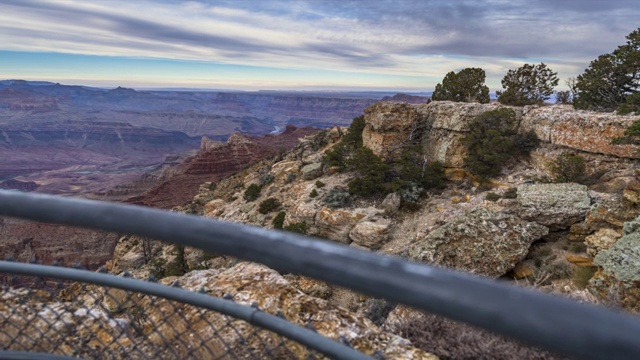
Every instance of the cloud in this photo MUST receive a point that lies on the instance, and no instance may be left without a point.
(407, 38)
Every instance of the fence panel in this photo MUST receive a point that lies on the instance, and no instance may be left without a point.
(550, 322)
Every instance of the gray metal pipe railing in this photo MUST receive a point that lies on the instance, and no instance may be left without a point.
(547, 321)
(252, 315)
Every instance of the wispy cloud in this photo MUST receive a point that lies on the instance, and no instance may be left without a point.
(403, 38)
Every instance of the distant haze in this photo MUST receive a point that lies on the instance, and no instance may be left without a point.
(304, 45)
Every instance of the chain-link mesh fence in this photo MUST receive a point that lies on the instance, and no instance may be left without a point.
(550, 322)
(44, 314)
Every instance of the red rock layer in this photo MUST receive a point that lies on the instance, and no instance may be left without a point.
(216, 161)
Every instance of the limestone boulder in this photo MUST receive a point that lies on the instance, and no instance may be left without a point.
(619, 275)
(632, 192)
(284, 170)
(608, 213)
(481, 241)
(601, 240)
(302, 212)
(213, 206)
(391, 203)
(311, 171)
(557, 206)
(335, 224)
(370, 234)
(587, 131)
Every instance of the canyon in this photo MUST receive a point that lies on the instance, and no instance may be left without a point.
(78, 140)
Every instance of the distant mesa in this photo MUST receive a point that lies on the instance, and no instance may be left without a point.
(13, 184)
(411, 99)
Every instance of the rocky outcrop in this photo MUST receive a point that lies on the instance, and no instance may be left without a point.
(370, 234)
(556, 206)
(50, 243)
(586, 131)
(389, 125)
(618, 278)
(481, 242)
(411, 99)
(442, 124)
(216, 161)
(145, 327)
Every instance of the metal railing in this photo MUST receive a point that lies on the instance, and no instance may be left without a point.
(547, 321)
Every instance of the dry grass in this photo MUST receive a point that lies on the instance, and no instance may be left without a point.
(451, 340)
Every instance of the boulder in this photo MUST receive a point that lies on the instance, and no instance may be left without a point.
(631, 192)
(284, 170)
(213, 205)
(391, 203)
(311, 171)
(335, 224)
(557, 206)
(587, 131)
(601, 240)
(370, 234)
(618, 278)
(481, 241)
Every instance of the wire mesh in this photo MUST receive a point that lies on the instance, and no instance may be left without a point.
(46, 315)
(538, 319)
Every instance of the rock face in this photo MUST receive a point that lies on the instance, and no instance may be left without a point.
(137, 326)
(556, 206)
(481, 242)
(580, 130)
(216, 161)
(48, 243)
(442, 124)
(388, 125)
(618, 279)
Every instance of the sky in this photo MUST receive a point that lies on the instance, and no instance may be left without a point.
(302, 45)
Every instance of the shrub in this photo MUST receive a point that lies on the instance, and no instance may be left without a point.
(212, 186)
(290, 178)
(266, 179)
(339, 154)
(525, 143)
(268, 205)
(511, 193)
(372, 174)
(433, 176)
(631, 105)
(581, 276)
(337, 198)
(319, 184)
(492, 196)
(252, 192)
(377, 310)
(490, 142)
(448, 339)
(577, 248)
(465, 86)
(563, 97)
(300, 228)
(353, 138)
(313, 194)
(178, 266)
(411, 193)
(528, 85)
(278, 221)
(631, 135)
(568, 168)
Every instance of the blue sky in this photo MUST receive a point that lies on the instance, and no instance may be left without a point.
(330, 44)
